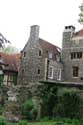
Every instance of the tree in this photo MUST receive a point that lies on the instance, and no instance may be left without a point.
(10, 49)
(81, 14)
(3, 40)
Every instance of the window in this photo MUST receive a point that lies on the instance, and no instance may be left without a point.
(81, 78)
(24, 54)
(51, 72)
(75, 71)
(76, 55)
(81, 40)
(39, 52)
(23, 71)
(59, 75)
(38, 71)
(50, 55)
(79, 55)
(58, 58)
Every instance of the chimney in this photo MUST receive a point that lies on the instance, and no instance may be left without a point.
(34, 32)
(69, 29)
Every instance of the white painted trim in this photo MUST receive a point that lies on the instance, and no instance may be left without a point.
(77, 38)
(51, 77)
(72, 48)
(59, 75)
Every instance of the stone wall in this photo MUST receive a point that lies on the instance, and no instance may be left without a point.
(71, 44)
(32, 61)
(57, 70)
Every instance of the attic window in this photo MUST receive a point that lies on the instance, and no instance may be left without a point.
(50, 55)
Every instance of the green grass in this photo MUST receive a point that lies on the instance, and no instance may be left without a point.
(42, 123)
(39, 123)
(73, 122)
(35, 123)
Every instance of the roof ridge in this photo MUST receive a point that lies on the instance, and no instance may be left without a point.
(49, 43)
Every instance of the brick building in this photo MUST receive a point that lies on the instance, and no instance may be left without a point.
(40, 60)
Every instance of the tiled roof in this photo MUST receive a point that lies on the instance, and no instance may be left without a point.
(49, 47)
(11, 61)
(79, 33)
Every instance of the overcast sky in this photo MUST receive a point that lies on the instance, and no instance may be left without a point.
(16, 17)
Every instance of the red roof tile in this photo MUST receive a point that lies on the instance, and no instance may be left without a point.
(49, 47)
(79, 33)
(12, 61)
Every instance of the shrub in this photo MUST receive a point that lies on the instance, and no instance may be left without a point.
(1, 110)
(59, 123)
(76, 122)
(28, 110)
(68, 105)
(49, 99)
(44, 119)
(23, 122)
(2, 121)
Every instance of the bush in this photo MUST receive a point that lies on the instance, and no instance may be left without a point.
(2, 121)
(44, 119)
(1, 110)
(23, 122)
(28, 110)
(49, 99)
(68, 105)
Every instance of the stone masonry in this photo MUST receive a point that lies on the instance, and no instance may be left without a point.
(36, 58)
(72, 54)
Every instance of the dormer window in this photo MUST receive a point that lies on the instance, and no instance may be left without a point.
(50, 55)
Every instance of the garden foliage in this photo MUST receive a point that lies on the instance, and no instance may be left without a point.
(29, 110)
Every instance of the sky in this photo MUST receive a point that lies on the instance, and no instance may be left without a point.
(16, 17)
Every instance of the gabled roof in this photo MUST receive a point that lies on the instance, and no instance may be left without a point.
(11, 61)
(79, 33)
(49, 47)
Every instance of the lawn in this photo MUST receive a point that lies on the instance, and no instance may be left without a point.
(40, 123)
(53, 122)
(35, 123)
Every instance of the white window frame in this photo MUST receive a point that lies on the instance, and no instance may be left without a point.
(52, 72)
(59, 74)
(50, 55)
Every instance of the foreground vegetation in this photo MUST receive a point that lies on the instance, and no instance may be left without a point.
(44, 121)
(57, 105)
(64, 121)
